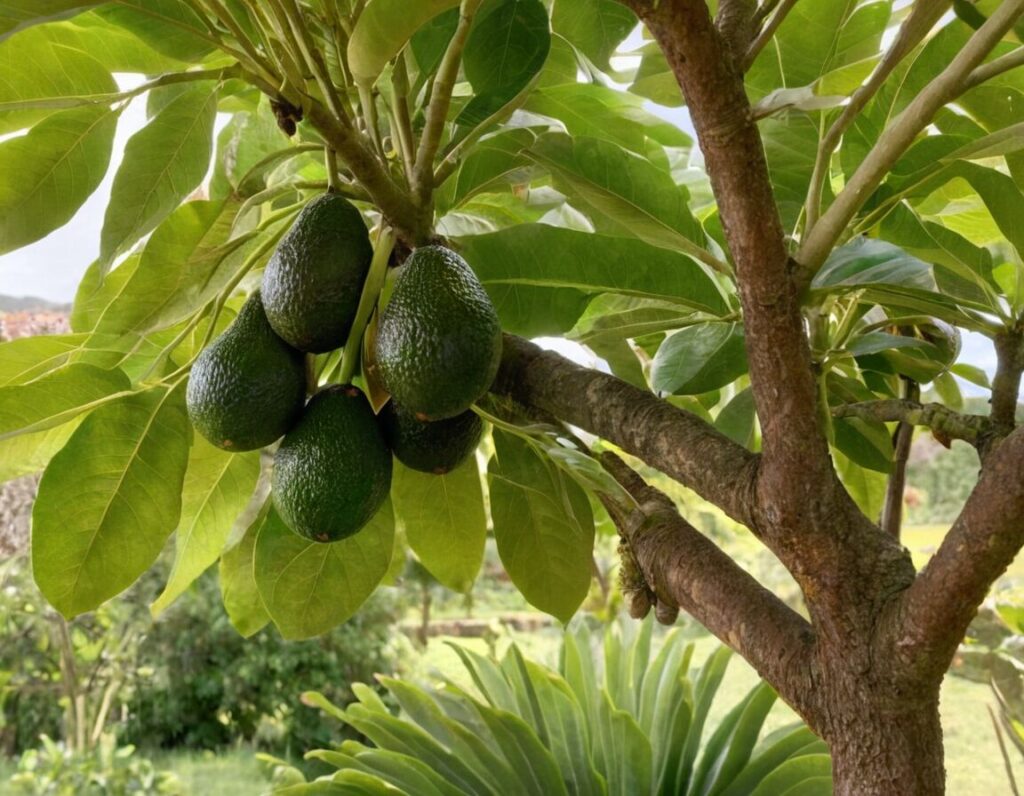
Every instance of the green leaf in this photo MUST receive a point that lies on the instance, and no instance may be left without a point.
(382, 30)
(108, 501)
(175, 273)
(218, 486)
(506, 48)
(540, 277)
(543, 526)
(248, 140)
(162, 164)
(595, 27)
(16, 15)
(491, 164)
(640, 198)
(50, 172)
(39, 71)
(238, 589)
(56, 397)
(737, 418)
(170, 27)
(587, 109)
(444, 521)
(699, 359)
(26, 358)
(27, 454)
(815, 770)
(309, 587)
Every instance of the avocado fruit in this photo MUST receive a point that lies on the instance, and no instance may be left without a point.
(439, 340)
(437, 446)
(248, 387)
(312, 284)
(332, 471)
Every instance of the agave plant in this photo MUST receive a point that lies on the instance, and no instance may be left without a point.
(611, 720)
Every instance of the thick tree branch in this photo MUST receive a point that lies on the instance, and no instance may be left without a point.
(946, 423)
(672, 440)
(796, 466)
(687, 570)
(735, 22)
(898, 137)
(996, 67)
(913, 30)
(1006, 382)
(933, 614)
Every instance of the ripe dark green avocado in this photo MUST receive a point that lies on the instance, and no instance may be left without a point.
(332, 471)
(432, 447)
(312, 284)
(248, 387)
(439, 340)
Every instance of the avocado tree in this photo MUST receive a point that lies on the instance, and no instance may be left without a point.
(768, 306)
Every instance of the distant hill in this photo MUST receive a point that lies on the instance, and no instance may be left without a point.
(30, 303)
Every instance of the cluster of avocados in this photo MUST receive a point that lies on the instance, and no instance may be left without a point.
(438, 350)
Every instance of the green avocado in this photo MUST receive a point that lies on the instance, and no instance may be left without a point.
(248, 387)
(430, 446)
(312, 284)
(439, 340)
(332, 472)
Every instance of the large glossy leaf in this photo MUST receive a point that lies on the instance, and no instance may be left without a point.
(238, 589)
(27, 454)
(170, 27)
(595, 27)
(46, 175)
(587, 109)
(492, 163)
(108, 501)
(699, 359)
(308, 587)
(543, 526)
(56, 397)
(162, 164)
(812, 774)
(26, 358)
(383, 29)
(16, 15)
(444, 521)
(539, 277)
(39, 74)
(218, 485)
(638, 197)
(506, 48)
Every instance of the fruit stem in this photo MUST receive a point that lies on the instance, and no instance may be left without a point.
(367, 301)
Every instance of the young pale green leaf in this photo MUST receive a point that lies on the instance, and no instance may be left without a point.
(118, 49)
(247, 140)
(174, 274)
(543, 526)
(162, 164)
(26, 358)
(108, 501)
(382, 31)
(46, 175)
(17, 15)
(309, 587)
(444, 521)
(634, 194)
(27, 454)
(699, 359)
(218, 486)
(506, 49)
(539, 277)
(594, 27)
(56, 397)
(238, 589)
(40, 74)
(96, 292)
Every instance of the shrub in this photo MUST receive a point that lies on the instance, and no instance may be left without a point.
(612, 719)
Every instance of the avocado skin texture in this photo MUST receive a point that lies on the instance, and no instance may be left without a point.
(248, 387)
(439, 339)
(312, 284)
(332, 472)
(437, 446)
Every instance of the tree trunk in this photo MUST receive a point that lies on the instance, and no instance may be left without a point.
(886, 748)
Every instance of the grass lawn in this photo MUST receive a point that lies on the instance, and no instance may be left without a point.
(227, 773)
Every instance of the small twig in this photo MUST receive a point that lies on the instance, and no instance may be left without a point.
(766, 33)
(400, 109)
(946, 423)
(1003, 752)
(331, 164)
(892, 510)
(225, 16)
(367, 302)
(440, 100)
(995, 67)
